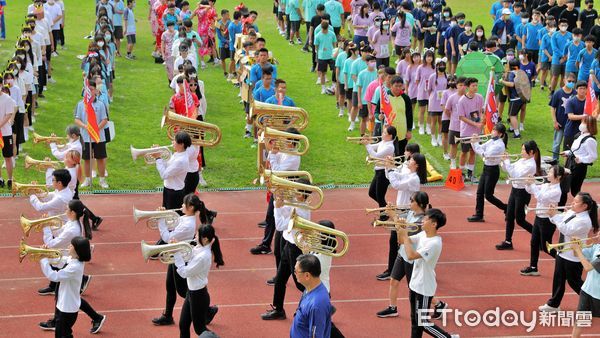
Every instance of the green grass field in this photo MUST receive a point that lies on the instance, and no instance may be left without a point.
(141, 92)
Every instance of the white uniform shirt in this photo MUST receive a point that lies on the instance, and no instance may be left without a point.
(406, 182)
(411, 217)
(196, 270)
(179, 61)
(63, 236)
(325, 267)
(579, 227)
(52, 12)
(490, 148)
(7, 107)
(586, 152)
(62, 152)
(282, 220)
(423, 276)
(284, 162)
(174, 170)
(69, 277)
(72, 183)
(54, 204)
(382, 149)
(546, 194)
(521, 168)
(183, 232)
(192, 153)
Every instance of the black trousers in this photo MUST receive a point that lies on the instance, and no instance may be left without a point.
(486, 187)
(56, 36)
(515, 210)
(172, 199)
(402, 146)
(378, 187)
(393, 250)
(191, 182)
(175, 284)
(288, 25)
(29, 107)
(61, 35)
(194, 311)
(278, 247)
(542, 232)
(578, 174)
(270, 228)
(420, 304)
(84, 306)
(64, 324)
(42, 78)
(284, 271)
(565, 271)
(307, 31)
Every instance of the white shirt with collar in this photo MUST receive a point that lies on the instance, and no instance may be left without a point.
(192, 153)
(325, 267)
(586, 152)
(284, 162)
(63, 236)
(72, 183)
(492, 147)
(406, 182)
(196, 270)
(546, 194)
(183, 232)
(69, 278)
(62, 152)
(381, 149)
(174, 170)
(579, 227)
(54, 204)
(521, 168)
(282, 220)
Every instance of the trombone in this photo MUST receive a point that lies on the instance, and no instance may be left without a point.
(202, 133)
(474, 139)
(314, 237)
(29, 189)
(359, 140)
(396, 161)
(54, 222)
(391, 225)
(37, 138)
(566, 246)
(36, 254)
(512, 157)
(164, 151)
(289, 190)
(166, 252)
(536, 179)
(170, 216)
(288, 143)
(389, 207)
(41, 166)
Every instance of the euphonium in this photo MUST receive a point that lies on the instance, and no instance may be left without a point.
(288, 175)
(166, 252)
(35, 254)
(288, 143)
(535, 179)
(391, 225)
(288, 190)
(170, 217)
(511, 157)
(164, 151)
(314, 237)
(49, 139)
(472, 139)
(389, 207)
(278, 117)
(41, 165)
(29, 189)
(202, 133)
(54, 222)
(528, 209)
(360, 139)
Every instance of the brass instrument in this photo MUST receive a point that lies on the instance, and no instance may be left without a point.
(36, 254)
(202, 133)
(314, 237)
(288, 143)
(512, 157)
(474, 139)
(29, 189)
(41, 165)
(164, 151)
(54, 222)
(391, 225)
(389, 207)
(528, 209)
(566, 246)
(359, 140)
(288, 190)
(171, 217)
(260, 158)
(49, 139)
(536, 179)
(166, 252)
(278, 117)
(288, 175)
(396, 161)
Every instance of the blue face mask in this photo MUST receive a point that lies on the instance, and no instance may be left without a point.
(570, 85)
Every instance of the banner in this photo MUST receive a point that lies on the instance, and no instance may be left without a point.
(491, 108)
(384, 104)
(92, 123)
(590, 99)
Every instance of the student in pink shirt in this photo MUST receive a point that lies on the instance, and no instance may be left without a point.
(371, 90)
(451, 110)
(470, 112)
(437, 85)
(381, 44)
(410, 79)
(403, 62)
(424, 71)
(445, 117)
(402, 32)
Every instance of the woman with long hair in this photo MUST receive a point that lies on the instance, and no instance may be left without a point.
(583, 152)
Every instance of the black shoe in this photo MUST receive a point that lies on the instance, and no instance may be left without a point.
(163, 320)
(97, 324)
(312, 69)
(475, 218)
(97, 223)
(1, 183)
(273, 314)
(85, 283)
(271, 282)
(262, 224)
(48, 325)
(9, 184)
(41, 96)
(46, 291)
(212, 312)
(530, 271)
(210, 216)
(437, 310)
(390, 311)
(515, 136)
(384, 276)
(260, 250)
(504, 246)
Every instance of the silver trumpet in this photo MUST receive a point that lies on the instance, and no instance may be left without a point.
(528, 209)
(512, 157)
(166, 252)
(474, 139)
(534, 179)
(164, 151)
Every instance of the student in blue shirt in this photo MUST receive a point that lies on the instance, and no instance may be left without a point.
(223, 39)
(520, 30)
(235, 27)
(325, 41)
(530, 36)
(589, 295)
(585, 58)
(496, 6)
(265, 89)
(572, 51)
(262, 61)
(504, 29)
(546, 52)
(559, 41)
(280, 98)
(442, 26)
(452, 37)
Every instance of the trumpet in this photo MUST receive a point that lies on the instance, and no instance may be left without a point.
(389, 207)
(36, 254)
(528, 209)
(286, 142)
(202, 133)
(566, 246)
(54, 222)
(391, 225)
(49, 139)
(288, 190)
(170, 216)
(314, 237)
(278, 117)
(293, 176)
(29, 189)
(359, 140)
(511, 157)
(474, 139)
(535, 179)
(166, 252)
(164, 151)
(385, 162)
(41, 165)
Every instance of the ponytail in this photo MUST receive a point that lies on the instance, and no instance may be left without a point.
(592, 208)
(208, 231)
(532, 146)
(82, 211)
(217, 254)
(192, 200)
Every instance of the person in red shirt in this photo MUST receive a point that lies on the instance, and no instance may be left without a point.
(178, 102)
(160, 11)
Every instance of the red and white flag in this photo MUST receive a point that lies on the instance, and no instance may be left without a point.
(385, 105)
(92, 123)
(590, 99)
(189, 100)
(491, 108)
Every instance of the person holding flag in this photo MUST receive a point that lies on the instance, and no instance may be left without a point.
(7, 112)
(184, 102)
(91, 116)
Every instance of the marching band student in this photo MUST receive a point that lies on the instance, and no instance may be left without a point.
(496, 146)
(589, 296)
(55, 202)
(73, 135)
(527, 165)
(382, 149)
(196, 307)
(174, 171)
(576, 222)
(582, 153)
(543, 229)
(192, 178)
(445, 128)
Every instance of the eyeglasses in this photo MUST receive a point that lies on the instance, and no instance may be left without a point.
(193, 85)
(298, 271)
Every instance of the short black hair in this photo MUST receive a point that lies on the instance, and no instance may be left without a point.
(309, 263)
(183, 138)
(397, 79)
(389, 71)
(320, 7)
(581, 83)
(577, 31)
(471, 80)
(590, 38)
(82, 248)
(63, 176)
(437, 216)
(263, 50)
(237, 15)
(413, 148)
(224, 11)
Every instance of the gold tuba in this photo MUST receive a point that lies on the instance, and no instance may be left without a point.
(288, 143)
(288, 190)
(278, 117)
(202, 133)
(171, 217)
(35, 254)
(54, 222)
(288, 175)
(314, 237)
(166, 252)
(49, 139)
(40, 165)
(29, 189)
(164, 151)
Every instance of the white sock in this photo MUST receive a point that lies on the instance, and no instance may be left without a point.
(452, 163)
(248, 127)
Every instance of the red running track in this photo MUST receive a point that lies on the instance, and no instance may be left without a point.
(471, 274)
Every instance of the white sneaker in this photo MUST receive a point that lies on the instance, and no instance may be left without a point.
(351, 128)
(51, 80)
(452, 163)
(454, 336)
(428, 130)
(318, 81)
(229, 76)
(341, 113)
(521, 127)
(86, 183)
(54, 54)
(439, 139)
(433, 141)
(202, 64)
(322, 91)
(94, 174)
(103, 183)
(421, 130)
(217, 62)
(548, 308)
(446, 157)
(202, 181)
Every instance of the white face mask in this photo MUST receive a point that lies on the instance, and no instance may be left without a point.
(452, 23)
(479, 34)
(583, 128)
(563, 28)
(521, 58)
(100, 44)
(524, 20)
(576, 39)
(552, 30)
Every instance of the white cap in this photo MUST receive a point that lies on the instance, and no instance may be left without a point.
(506, 11)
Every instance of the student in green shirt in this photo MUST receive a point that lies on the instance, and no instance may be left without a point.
(364, 78)
(325, 42)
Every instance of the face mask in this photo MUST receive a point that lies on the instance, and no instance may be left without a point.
(107, 37)
(552, 30)
(570, 85)
(386, 27)
(524, 21)
(193, 75)
(18, 66)
(377, 24)
(563, 28)
(15, 72)
(461, 22)
(27, 48)
(510, 57)
(100, 44)
(453, 23)
(372, 64)
(521, 58)
(442, 69)
(582, 128)
(479, 34)
(576, 39)
(446, 14)
(419, 3)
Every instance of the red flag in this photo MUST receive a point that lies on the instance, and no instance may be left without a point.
(92, 123)
(1, 141)
(384, 104)
(189, 100)
(590, 99)
(491, 109)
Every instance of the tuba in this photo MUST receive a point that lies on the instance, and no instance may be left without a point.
(288, 143)
(278, 117)
(314, 237)
(29, 189)
(288, 190)
(166, 252)
(35, 254)
(164, 152)
(202, 133)
(288, 175)
(54, 222)
(49, 139)
(171, 217)
(41, 165)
